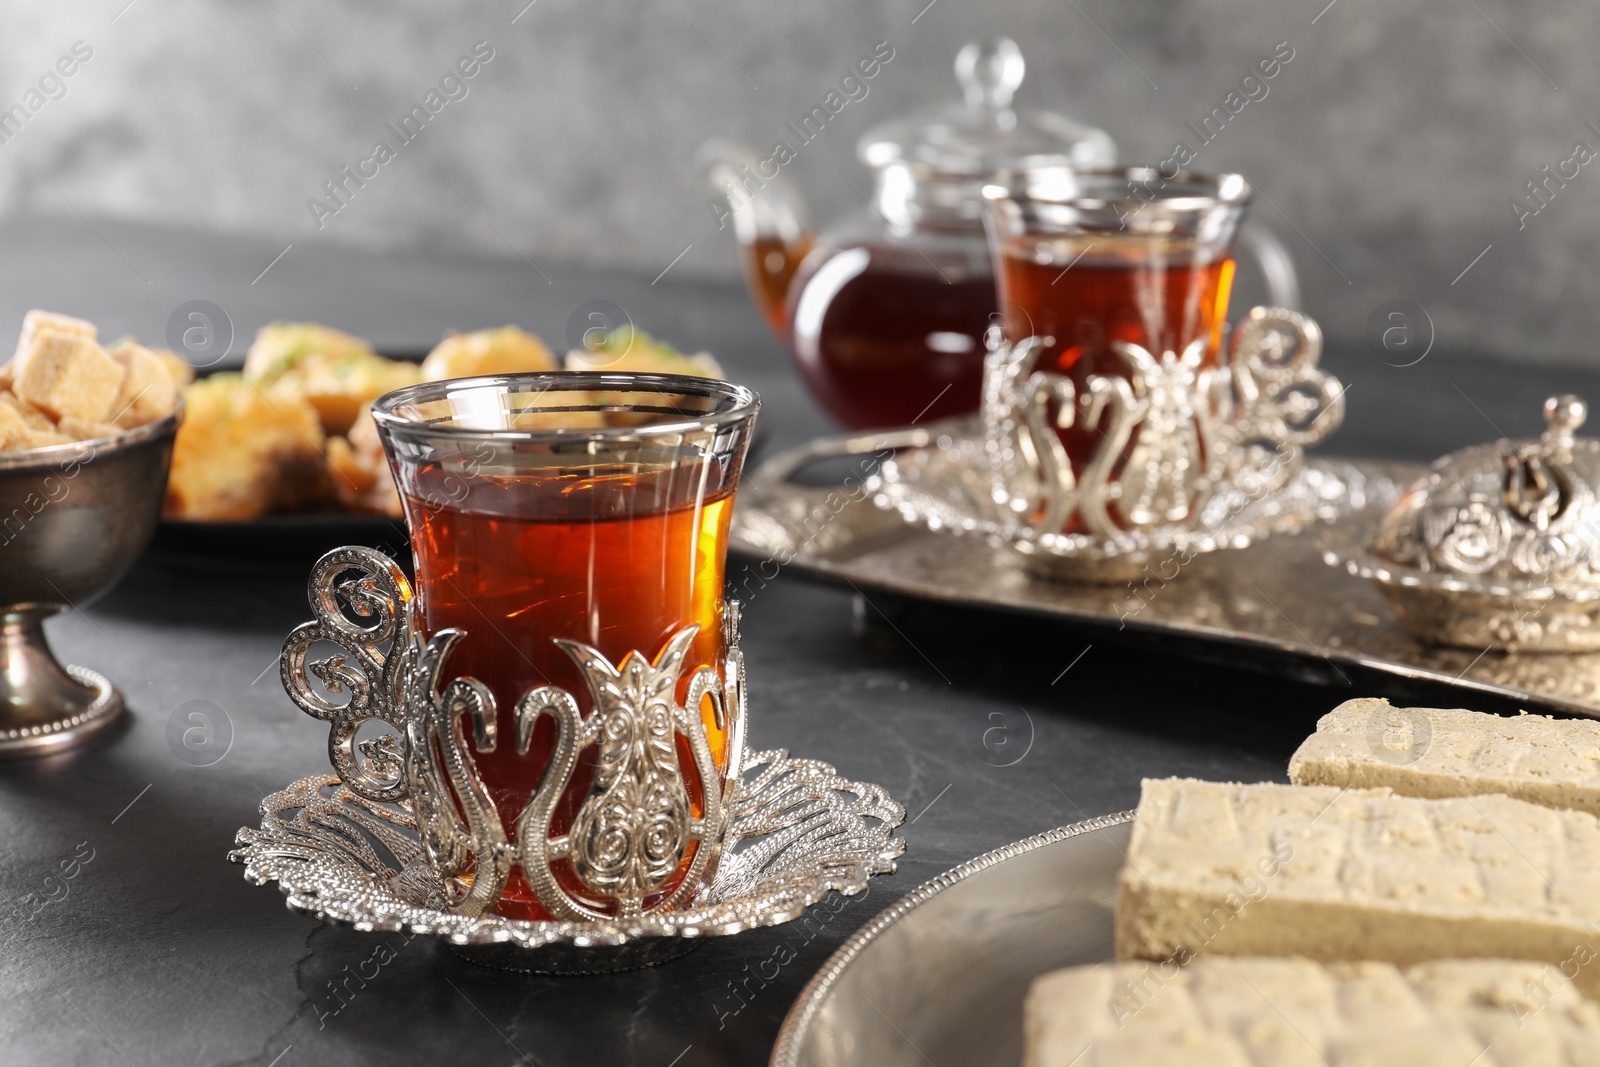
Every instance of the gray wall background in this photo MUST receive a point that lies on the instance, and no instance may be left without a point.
(1389, 147)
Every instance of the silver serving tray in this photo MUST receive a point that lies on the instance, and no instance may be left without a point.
(1275, 599)
(940, 976)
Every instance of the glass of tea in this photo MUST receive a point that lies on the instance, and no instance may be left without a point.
(1121, 273)
(588, 507)
(1087, 258)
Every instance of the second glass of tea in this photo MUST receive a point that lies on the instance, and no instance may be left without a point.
(1089, 258)
(590, 507)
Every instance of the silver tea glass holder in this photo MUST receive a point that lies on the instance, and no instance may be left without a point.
(404, 837)
(1189, 459)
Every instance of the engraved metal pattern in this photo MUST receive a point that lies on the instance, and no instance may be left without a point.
(635, 827)
(1176, 439)
(459, 826)
(634, 831)
(1521, 514)
(796, 831)
(367, 666)
(1498, 545)
(1273, 603)
(947, 488)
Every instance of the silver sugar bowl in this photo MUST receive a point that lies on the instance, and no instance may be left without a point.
(1496, 546)
(73, 519)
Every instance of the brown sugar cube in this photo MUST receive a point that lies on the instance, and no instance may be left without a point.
(46, 438)
(148, 392)
(180, 370)
(36, 419)
(37, 320)
(66, 375)
(14, 432)
(77, 429)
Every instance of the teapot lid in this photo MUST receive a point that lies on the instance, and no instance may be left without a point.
(984, 133)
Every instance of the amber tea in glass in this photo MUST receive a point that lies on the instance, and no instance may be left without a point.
(592, 507)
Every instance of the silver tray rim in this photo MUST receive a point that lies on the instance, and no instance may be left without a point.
(796, 1029)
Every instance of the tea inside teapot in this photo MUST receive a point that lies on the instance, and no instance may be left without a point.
(886, 313)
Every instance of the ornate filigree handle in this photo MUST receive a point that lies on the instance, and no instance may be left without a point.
(1537, 486)
(1275, 400)
(367, 667)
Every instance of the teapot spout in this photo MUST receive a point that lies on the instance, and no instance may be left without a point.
(768, 220)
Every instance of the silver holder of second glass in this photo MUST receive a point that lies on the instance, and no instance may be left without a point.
(801, 830)
(1189, 459)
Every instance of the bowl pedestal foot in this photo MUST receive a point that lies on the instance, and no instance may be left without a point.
(45, 707)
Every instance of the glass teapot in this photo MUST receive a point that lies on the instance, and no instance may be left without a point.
(886, 311)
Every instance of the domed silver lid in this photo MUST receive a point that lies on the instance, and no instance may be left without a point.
(1521, 516)
(983, 134)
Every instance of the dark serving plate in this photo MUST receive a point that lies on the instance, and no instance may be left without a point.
(280, 537)
(302, 537)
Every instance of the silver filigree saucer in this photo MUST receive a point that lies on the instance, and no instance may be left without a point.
(798, 830)
(406, 836)
(947, 486)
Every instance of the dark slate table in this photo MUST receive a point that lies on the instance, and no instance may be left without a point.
(159, 953)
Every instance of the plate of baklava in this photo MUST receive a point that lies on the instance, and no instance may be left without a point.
(1425, 891)
(280, 457)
